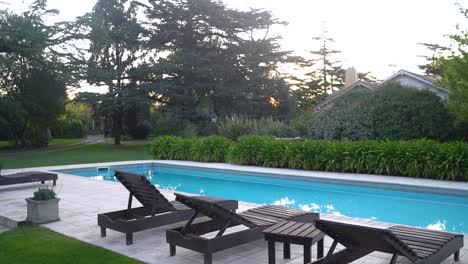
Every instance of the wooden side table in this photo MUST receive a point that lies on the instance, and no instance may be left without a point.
(288, 232)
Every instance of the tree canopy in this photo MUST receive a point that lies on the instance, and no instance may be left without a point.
(33, 77)
(454, 71)
(214, 61)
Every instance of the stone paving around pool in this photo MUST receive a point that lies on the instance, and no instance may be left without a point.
(83, 198)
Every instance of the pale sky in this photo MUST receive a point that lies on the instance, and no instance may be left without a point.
(372, 34)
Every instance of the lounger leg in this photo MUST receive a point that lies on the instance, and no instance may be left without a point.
(320, 248)
(129, 238)
(42, 182)
(456, 256)
(172, 250)
(103, 232)
(271, 252)
(394, 258)
(307, 253)
(55, 182)
(286, 250)
(208, 258)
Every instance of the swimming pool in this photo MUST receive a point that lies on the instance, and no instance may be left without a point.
(433, 211)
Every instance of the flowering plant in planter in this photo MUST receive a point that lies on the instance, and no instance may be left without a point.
(43, 207)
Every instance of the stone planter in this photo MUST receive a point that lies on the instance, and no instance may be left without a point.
(41, 212)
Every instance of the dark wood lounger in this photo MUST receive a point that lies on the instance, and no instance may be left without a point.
(418, 245)
(256, 220)
(28, 177)
(156, 211)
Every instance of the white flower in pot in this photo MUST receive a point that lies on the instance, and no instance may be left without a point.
(43, 207)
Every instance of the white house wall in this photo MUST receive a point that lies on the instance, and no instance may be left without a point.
(414, 83)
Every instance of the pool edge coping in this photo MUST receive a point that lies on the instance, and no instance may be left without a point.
(397, 183)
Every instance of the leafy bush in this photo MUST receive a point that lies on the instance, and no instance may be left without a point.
(69, 129)
(189, 130)
(402, 113)
(171, 148)
(164, 123)
(417, 158)
(347, 119)
(44, 194)
(391, 112)
(237, 126)
(299, 123)
(273, 153)
(278, 129)
(141, 131)
(247, 150)
(210, 149)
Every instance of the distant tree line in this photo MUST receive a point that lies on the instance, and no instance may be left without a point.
(181, 67)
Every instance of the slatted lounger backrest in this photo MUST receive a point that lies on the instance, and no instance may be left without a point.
(354, 235)
(213, 210)
(143, 190)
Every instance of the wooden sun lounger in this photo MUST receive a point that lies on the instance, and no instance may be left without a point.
(256, 220)
(418, 245)
(28, 177)
(156, 211)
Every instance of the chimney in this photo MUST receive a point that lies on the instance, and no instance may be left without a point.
(351, 77)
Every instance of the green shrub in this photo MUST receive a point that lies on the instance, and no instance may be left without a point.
(417, 158)
(347, 119)
(404, 113)
(247, 150)
(165, 123)
(171, 148)
(279, 130)
(273, 153)
(141, 131)
(70, 129)
(44, 194)
(210, 149)
(299, 123)
(237, 126)
(420, 158)
(392, 112)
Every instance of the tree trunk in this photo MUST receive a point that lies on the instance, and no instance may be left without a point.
(117, 124)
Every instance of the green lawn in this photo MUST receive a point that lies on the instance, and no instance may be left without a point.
(102, 152)
(4, 144)
(39, 245)
(54, 143)
(66, 141)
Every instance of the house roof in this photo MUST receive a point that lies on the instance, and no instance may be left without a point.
(374, 85)
(333, 96)
(422, 78)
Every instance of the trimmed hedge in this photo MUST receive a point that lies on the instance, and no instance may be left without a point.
(171, 148)
(418, 158)
(210, 149)
(207, 149)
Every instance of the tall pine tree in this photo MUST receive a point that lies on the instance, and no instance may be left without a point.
(329, 73)
(436, 51)
(117, 47)
(212, 61)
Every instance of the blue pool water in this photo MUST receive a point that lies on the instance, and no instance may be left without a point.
(440, 212)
